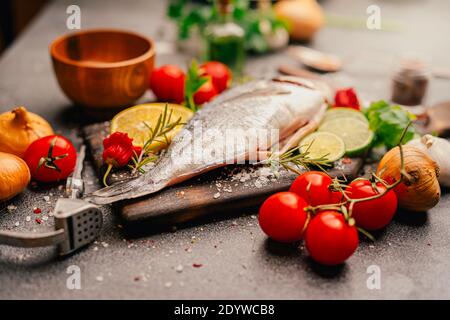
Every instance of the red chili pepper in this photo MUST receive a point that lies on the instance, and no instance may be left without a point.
(346, 98)
(197, 265)
(39, 221)
(37, 211)
(118, 151)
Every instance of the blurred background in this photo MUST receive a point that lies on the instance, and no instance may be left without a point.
(14, 17)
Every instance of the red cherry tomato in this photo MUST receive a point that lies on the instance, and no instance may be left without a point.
(282, 217)
(219, 72)
(373, 214)
(313, 186)
(167, 83)
(346, 98)
(50, 158)
(329, 239)
(206, 92)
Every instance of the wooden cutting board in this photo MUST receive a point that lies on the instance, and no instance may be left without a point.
(225, 191)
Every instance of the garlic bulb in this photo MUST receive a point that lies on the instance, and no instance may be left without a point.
(439, 150)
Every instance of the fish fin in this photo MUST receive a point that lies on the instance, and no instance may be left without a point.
(125, 190)
(312, 125)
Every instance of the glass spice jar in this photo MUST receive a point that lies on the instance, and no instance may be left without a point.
(410, 82)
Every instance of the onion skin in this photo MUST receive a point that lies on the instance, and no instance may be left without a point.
(422, 191)
(303, 17)
(19, 128)
(14, 176)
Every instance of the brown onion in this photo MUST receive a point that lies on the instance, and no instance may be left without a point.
(19, 128)
(303, 17)
(420, 190)
(14, 176)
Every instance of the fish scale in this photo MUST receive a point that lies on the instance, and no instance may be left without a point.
(241, 115)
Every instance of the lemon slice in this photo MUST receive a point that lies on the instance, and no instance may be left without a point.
(323, 145)
(340, 112)
(135, 121)
(356, 134)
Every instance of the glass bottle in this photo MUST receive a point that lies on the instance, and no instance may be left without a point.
(225, 40)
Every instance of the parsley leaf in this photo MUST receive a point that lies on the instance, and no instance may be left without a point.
(388, 122)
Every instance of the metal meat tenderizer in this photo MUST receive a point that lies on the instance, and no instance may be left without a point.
(77, 222)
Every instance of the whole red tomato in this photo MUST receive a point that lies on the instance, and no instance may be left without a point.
(329, 239)
(373, 214)
(282, 217)
(219, 73)
(51, 158)
(167, 83)
(347, 98)
(206, 92)
(313, 186)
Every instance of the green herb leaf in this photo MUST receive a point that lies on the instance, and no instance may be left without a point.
(388, 122)
(175, 8)
(189, 16)
(194, 80)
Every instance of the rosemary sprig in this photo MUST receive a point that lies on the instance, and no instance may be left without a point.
(296, 157)
(163, 126)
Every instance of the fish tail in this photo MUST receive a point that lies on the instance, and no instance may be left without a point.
(125, 190)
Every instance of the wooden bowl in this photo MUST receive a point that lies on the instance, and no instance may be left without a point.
(103, 68)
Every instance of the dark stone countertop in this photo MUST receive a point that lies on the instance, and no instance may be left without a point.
(237, 260)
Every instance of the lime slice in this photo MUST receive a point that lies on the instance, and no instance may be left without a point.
(135, 121)
(323, 144)
(356, 134)
(337, 113)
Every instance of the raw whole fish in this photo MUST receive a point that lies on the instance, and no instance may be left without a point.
(253, 118)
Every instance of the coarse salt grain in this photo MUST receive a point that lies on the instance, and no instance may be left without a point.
(179, 268)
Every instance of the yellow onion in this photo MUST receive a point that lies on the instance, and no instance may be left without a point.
(420, 189)
(14, 176)
(19, 128)
(303, 17)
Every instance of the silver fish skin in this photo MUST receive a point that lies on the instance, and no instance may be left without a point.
(288, 105)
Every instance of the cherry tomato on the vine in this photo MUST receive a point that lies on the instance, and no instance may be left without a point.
(282, 217)
(219, 73)
(313, 186)
(329, 239)
(50, 158)
(167, 83)
(373, 214)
